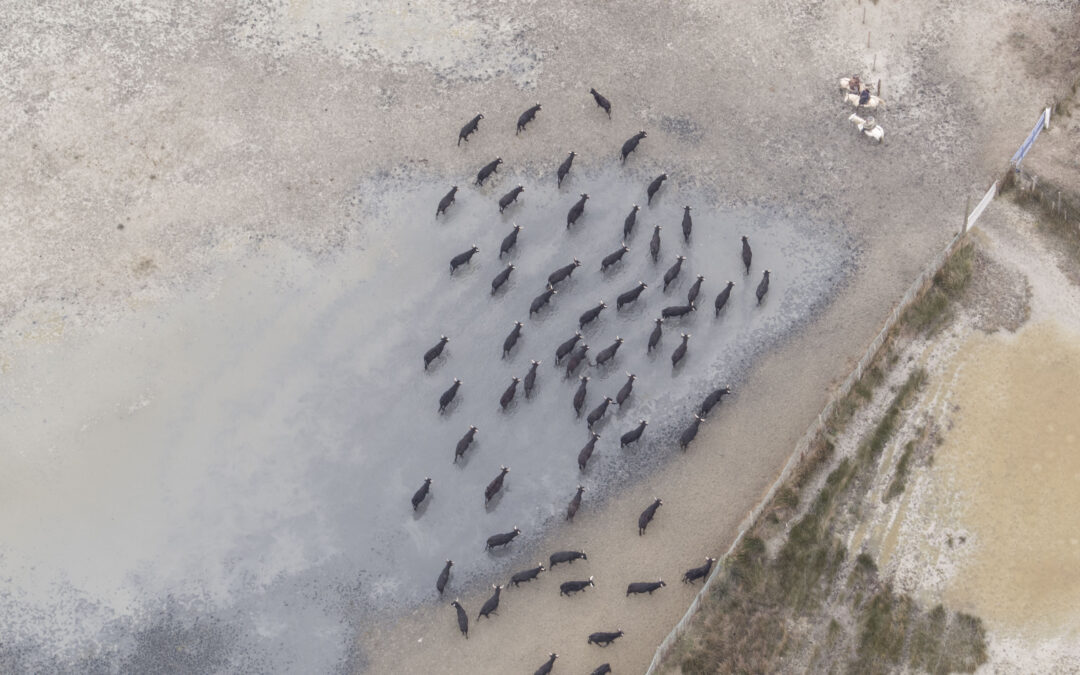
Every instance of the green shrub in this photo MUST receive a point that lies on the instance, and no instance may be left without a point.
(883, 626)
(940, 646)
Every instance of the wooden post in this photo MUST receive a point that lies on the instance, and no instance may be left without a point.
(879, 87)
(864, 15)
(967, 210)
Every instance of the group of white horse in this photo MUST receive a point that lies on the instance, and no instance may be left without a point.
(852, 95)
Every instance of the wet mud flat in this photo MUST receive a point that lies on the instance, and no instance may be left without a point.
(1012, 455)
(234, 473)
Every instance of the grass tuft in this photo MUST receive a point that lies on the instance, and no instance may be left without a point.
(879, 438)
(787, 498)
(899, 479)
(870, 380)
(820, 452)
(861, 392)
(941, 646)
(883, 628)
(932, 310)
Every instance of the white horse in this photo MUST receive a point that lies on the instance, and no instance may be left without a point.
(869, 127)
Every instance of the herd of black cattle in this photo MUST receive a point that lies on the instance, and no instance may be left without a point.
(575, 355)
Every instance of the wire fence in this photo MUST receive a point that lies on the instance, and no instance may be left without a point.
(817, 427)
(1048, 196)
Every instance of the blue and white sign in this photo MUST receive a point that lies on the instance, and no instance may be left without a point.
(1044, 120)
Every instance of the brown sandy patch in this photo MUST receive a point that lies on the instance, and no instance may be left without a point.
(1014, 457)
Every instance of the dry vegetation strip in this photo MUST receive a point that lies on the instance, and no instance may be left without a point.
(933, 309)
(801, 608)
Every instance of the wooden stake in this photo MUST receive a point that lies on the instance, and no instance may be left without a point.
(879, 87)
(967, 210)
(864, 15)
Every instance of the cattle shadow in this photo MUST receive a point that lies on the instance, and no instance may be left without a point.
(495, 500)
(501, 551)
(420, 510)
(463, 461)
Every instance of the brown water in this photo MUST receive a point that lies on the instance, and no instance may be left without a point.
(1014, 458)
